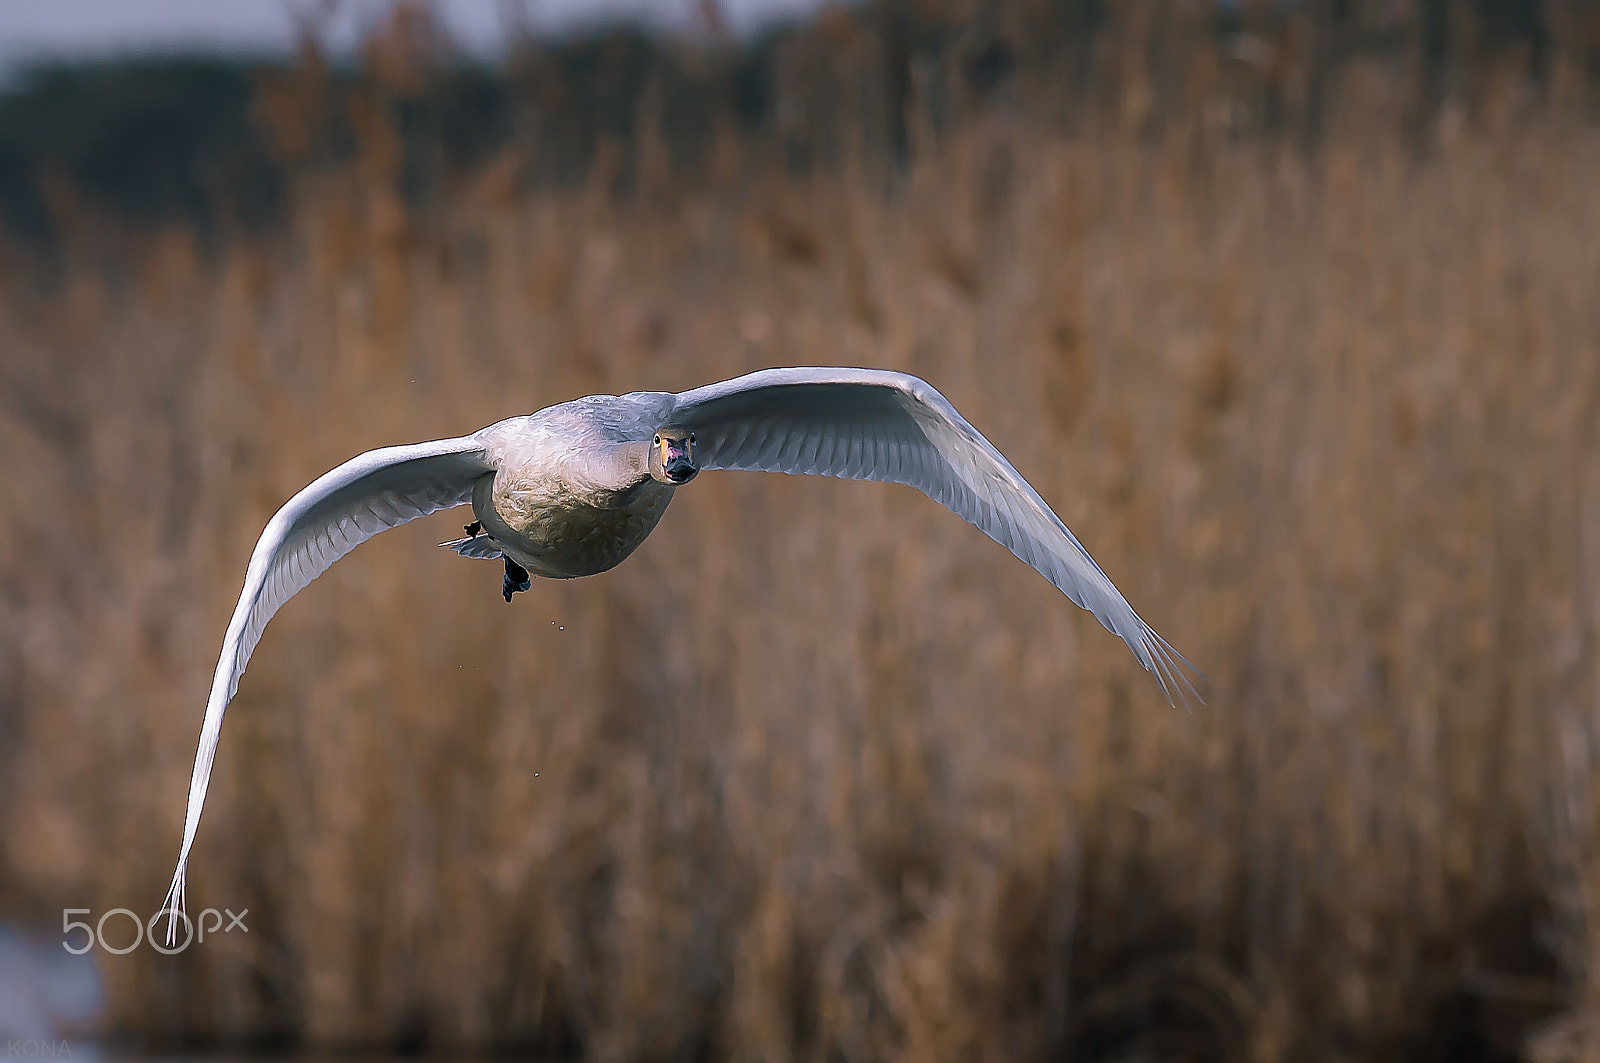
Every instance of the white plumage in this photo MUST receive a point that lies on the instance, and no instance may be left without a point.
(573, 489)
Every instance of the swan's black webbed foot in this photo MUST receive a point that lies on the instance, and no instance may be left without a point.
(472, 529)
(516, 579)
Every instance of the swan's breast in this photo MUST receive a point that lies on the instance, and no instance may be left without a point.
(562, 531)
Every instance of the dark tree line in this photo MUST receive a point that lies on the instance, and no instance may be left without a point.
(205, 139)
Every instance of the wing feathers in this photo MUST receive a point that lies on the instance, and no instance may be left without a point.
(871, 425)
(340, 510)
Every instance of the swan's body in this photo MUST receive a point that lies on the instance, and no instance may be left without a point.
(574, 489)
(571, 493)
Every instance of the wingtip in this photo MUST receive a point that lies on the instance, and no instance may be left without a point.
(1171, 669)
(174, 904)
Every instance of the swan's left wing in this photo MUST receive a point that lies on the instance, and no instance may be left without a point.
(373, 492)
(868, 424)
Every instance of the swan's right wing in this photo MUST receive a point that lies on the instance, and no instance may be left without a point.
(870, 424)
(373, 492)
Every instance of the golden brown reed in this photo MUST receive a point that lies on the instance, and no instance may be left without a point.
(821, 772)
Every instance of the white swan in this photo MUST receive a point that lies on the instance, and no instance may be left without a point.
(573, 489)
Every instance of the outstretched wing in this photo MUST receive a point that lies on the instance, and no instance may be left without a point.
(866, 424)
(378, 490)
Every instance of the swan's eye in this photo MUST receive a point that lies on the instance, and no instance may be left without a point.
(658, 441)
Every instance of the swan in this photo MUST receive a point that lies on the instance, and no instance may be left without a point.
(573, 489)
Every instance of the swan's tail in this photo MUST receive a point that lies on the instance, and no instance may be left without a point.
(479, 545)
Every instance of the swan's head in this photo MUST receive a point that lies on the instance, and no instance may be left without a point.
(672, 456)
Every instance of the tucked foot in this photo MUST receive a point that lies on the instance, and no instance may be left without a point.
(472, 529)
(516, 579)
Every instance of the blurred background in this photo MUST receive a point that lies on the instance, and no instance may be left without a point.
(1291, 309)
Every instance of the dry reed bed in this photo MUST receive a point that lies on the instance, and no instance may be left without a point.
(821, 772)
